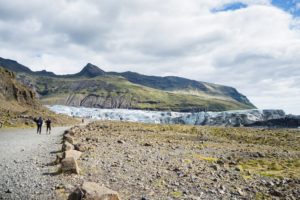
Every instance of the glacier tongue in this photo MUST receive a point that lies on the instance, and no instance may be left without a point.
(227, 118)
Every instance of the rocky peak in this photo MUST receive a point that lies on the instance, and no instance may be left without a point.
(91, 70)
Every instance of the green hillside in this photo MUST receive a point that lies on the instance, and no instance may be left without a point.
(117, 92)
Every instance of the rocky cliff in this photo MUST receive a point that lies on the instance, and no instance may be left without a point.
(12, 92)
(19, 104)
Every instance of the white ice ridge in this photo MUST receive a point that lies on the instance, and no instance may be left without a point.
(230, 118)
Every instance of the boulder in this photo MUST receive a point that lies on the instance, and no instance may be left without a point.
(59, 158)
(69, 138)
(81, 147)
(93, 191)
(69, 165)
(72, 153)
(70, 132)
(67, 146)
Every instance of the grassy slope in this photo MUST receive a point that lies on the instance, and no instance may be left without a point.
(57, 90)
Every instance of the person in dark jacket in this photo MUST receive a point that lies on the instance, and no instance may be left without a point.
(39, 123)
(48, 124)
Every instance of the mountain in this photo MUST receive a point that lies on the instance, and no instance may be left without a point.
(90, 71)
(93, 87)
(173, 83)
(19, 104)
(14, 66)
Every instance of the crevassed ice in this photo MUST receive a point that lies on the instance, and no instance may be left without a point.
(164, 117)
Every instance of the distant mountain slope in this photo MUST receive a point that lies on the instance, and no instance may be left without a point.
(93, 87)
(14, 66)
(173, 83)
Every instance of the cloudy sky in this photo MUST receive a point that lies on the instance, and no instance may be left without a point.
(253, 45)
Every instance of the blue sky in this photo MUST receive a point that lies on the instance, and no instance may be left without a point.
(291, 6)
(232, 6)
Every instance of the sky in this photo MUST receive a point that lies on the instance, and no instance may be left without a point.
(252, 45)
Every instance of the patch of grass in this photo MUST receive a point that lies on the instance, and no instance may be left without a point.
(160, 183)
(176, 194)
(273, 168)
(208, 159)
(288, 139)
(187, 161)
(262, 196)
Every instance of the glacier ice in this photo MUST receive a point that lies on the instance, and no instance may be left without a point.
(226, 118)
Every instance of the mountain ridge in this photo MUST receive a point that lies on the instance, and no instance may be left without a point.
(95, 82)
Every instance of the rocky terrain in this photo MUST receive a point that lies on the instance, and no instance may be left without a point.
(26, 168)
(19, 105)
(93, 87)
(148, 161)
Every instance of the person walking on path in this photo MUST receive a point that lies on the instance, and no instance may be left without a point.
(39, 123)
(48, 124)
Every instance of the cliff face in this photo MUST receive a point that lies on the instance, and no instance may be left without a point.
(13, 92)
(19, 104)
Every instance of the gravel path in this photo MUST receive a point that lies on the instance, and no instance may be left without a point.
(25, 163)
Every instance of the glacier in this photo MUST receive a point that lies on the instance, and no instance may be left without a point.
(226, 118)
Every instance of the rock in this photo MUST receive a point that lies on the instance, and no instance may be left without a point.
(69, 132)
(59, 158)
(8, 191)
(215, 167)
(276, 193)
(240, 192)
(69, 165)
(220, 162)
(261, 155)
(148, 145)
(72, 153)
(69, 188)
(121, 141)
(81, 147)
(67, 146)
(93, 191)
(69, 139)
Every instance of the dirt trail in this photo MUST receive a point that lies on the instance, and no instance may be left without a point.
(25, 163)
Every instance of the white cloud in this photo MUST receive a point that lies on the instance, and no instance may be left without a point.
(255, 49)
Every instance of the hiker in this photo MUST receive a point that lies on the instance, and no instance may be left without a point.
(39, 123)
(48, 124)
(82, 120)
